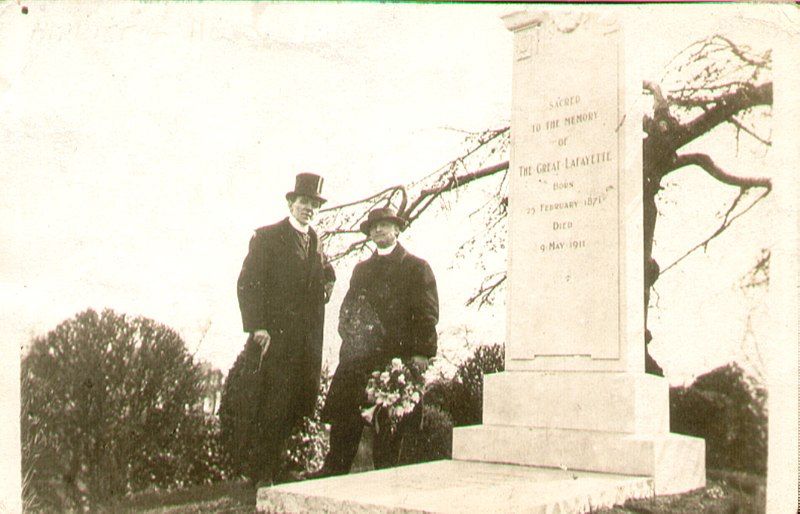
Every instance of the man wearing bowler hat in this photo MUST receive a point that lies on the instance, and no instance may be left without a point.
(390, 310)
(282, 289)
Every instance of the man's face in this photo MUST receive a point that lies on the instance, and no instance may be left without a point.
(384, 233)
(304, 209)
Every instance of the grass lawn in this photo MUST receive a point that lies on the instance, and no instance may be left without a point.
(726, 492)
(229, 497)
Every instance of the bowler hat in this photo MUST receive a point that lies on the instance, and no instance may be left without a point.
(307, 184)
(382, 214)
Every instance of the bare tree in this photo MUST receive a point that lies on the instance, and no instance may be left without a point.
(755, 284)
(717, 82)
(710, 83)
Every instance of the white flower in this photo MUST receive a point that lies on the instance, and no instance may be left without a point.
(395, 391)
(369, 414)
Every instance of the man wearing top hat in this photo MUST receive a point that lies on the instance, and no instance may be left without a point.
(283, 286)
(390, 310)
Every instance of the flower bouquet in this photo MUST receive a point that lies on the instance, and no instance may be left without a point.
(392, 394)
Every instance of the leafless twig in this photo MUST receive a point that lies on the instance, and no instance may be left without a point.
(727, 221)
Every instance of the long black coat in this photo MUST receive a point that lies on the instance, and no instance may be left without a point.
(399, 294)
(281, 291)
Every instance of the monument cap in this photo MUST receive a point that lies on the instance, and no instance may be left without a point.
(307, 184)
(382, 214)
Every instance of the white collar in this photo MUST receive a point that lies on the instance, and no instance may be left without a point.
(297, 226)
(386, 251)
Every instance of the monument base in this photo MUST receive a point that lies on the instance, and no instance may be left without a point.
(675, 462)
(608, 422)
(457, 486)
(590, 400)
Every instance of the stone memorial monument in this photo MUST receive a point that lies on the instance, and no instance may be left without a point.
(574, 394)
(573, 423)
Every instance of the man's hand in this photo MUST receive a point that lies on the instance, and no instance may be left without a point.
(328, 291)
(420, 361)
(263, 339)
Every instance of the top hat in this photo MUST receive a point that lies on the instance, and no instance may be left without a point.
(382, 214)
(307, 184)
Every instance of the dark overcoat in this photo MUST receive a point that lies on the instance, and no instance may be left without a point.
(282, 290)
(400, 293)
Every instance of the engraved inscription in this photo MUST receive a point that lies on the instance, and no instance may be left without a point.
(572, 177)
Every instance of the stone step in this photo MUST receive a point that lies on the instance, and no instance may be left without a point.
(451, 486)
(613, 402)
(676, 462)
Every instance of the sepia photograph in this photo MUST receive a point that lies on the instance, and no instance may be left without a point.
(399, 257)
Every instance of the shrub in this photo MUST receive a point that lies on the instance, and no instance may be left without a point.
(432, 441)
(111, 404)
(462, 396)
(728, 412)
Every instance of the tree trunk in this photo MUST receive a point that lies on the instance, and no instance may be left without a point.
(657, 156)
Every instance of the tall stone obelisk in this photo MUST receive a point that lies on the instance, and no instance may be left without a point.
(574, 394)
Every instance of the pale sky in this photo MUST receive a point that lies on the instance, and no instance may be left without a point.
(142, 143)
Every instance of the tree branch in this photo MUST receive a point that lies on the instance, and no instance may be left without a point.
(711, 88)
(655, 89)
(488, 289)
(392, 190)
(744, 183)
(478, 141)
(338, 231)
(453, 183)
(725, 224)
(741, 54)
(706, 163)
(758, 275)
(358, 245)
(724, 108)
(738, 124)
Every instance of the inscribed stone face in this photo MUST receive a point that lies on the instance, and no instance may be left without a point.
(564, 208)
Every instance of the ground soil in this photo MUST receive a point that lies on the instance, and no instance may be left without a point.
(725, 493)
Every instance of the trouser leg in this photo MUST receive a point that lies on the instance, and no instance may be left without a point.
(270, 448)
(344, 440)
(274, 423)
(386, 448)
